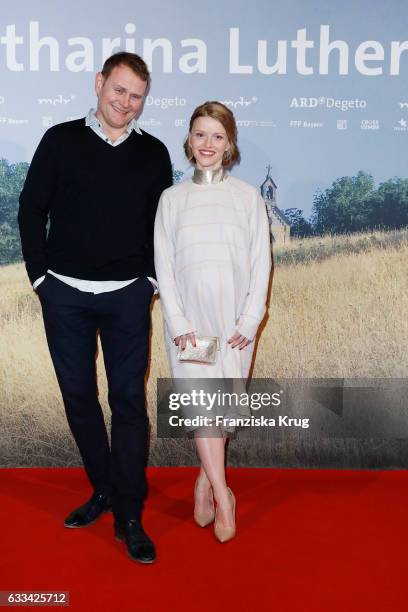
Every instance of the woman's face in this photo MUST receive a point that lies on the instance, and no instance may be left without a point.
(208, 141)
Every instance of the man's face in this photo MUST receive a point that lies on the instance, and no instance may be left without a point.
(120, 97)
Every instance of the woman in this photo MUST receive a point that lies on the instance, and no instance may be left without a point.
(213, 259)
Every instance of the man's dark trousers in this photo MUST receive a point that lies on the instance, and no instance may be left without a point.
(72, 319)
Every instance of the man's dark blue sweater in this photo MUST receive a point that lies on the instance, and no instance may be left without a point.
(101, 202)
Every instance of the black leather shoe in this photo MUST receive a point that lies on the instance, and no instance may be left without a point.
(139, 545)
(88, 513)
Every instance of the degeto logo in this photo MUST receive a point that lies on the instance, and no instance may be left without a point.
(165, 103)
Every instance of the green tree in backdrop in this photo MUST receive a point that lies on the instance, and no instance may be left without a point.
(390, 206)
(352, 204)
(299, 226)
(12, 177)
(344, 207)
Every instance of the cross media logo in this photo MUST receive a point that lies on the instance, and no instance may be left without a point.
(370, 124)
(329, 103)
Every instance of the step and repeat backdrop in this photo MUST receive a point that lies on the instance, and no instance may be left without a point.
(319, 94)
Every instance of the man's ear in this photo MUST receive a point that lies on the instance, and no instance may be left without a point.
(99, 80)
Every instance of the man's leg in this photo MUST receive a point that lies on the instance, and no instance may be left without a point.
(71, 325)
(124, 333)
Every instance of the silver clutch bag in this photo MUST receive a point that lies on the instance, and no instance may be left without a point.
(205, 350)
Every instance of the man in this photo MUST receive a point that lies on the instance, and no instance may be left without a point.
(98, 181)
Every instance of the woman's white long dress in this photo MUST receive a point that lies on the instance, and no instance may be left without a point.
(213, 261)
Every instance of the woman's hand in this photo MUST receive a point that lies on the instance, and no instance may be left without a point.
(238, 340)
(183, 340)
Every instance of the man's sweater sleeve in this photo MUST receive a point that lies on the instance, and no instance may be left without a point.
(35, 203)
(162, 182)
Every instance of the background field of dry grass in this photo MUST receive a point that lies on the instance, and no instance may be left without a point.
(338, 309)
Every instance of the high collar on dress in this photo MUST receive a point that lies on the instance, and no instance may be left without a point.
(208, 177)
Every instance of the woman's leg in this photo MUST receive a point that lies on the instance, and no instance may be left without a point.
(211, 451)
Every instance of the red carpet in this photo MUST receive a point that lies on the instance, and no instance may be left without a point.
(308, 540)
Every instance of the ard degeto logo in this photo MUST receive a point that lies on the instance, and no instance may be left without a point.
(329, 103)
(58, 100)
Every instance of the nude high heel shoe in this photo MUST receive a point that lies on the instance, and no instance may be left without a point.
(222, 533)
(206, 517)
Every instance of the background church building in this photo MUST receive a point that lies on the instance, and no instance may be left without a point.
(279, 225)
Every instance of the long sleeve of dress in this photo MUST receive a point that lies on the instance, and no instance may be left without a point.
(260, 264)
(164, 260)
